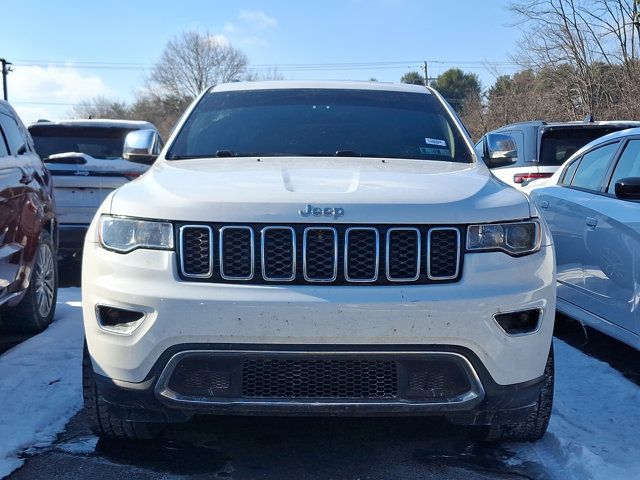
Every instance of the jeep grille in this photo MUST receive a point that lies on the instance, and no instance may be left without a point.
(311, 254)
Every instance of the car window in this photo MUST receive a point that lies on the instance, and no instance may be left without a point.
(98, 142)
(569, 172)
(3, 146)
(628, 165)
(559, 143)
(321, 122)
(15, 138)
(593, 167)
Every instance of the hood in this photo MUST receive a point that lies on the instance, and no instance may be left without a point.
(268, 190)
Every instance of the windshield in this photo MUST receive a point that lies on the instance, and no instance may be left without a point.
(320, 122)
(99, 142)
(558, 143)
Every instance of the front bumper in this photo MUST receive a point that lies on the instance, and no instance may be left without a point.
(456, 315)
(154, 401)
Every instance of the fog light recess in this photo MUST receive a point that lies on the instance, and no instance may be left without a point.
(118, 320)
(519, 323)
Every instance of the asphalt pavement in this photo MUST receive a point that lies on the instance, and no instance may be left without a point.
(279, 448)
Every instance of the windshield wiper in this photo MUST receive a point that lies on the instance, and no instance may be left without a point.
(219, 153)
(346, 153)
(225, 153)
(186, 157)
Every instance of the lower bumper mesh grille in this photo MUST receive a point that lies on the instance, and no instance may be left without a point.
(314, 378)
(281, 378)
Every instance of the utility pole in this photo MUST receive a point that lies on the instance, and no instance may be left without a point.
(426, 74)
(636, 16)
(5, 71)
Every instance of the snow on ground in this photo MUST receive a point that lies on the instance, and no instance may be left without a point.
(595, 428)
(594, 432)
(40, 383)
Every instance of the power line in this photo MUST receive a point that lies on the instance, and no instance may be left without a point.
(283, 67)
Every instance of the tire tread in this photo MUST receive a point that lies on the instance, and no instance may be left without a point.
(101, 421)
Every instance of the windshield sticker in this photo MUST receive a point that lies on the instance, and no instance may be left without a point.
(435, 151)
(435, 141)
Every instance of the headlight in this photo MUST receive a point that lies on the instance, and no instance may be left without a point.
(519, 238)
(126, 234)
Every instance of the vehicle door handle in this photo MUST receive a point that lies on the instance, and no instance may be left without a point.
(544, 205)
(592, 222)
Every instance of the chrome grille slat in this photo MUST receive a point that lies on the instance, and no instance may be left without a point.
(320, 254)
(237, 253)
(196, 251)
(403, 254)
(278, 254)
(361, 254)
(443, 253)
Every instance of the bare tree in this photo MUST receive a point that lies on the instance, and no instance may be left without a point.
(255, 75)
(163, 111)
(100, 107)
(593, 38)
(193, 61)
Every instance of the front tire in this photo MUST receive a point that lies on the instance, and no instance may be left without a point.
(101, 421)
(35, 311)
(535, 426)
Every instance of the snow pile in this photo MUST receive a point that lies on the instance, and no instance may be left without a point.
(41, 383)
(595, 428)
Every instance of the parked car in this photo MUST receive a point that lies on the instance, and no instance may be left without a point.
(520, 153)
(592, 206)
(324, 248)
(85, 159)
(28, 230)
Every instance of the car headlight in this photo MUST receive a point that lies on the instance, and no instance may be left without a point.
(126, 234)
(518, 238)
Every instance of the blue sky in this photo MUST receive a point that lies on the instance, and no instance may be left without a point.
(65, 51)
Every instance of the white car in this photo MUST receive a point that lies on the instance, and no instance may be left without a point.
(592, 207)
(318, 248)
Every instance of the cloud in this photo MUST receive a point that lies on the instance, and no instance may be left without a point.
(229, 27)
(50, 92)
(258, 19)
(219, 40)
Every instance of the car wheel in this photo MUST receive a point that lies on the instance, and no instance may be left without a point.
(535, 426)
(36, 309)
(101, 421)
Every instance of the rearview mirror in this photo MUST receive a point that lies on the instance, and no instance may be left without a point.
(500, 150)
(142, 146)
(628, 188)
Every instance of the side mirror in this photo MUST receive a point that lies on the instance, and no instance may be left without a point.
(142, 146)
(500, 150)
(628, 188)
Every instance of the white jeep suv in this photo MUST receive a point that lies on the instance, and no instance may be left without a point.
(318, 248)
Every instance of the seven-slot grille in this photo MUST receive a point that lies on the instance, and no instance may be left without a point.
(304, 254)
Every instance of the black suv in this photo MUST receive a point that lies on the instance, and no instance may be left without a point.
(28, 230)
